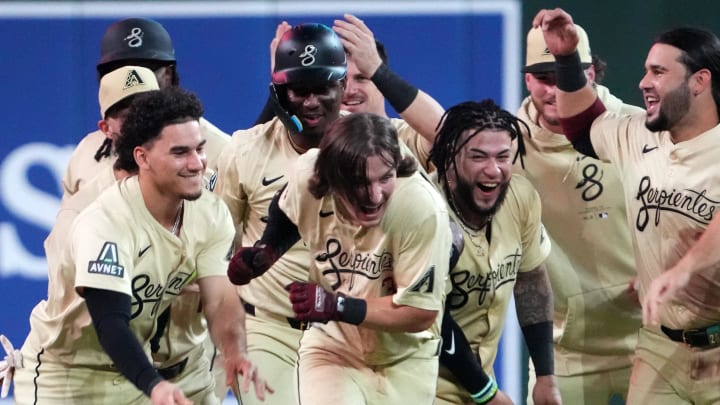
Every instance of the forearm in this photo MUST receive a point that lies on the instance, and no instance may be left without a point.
(225, 315)
(384, 314)
(534, 306)
(110, 313)
(424, 115)
(704, 256)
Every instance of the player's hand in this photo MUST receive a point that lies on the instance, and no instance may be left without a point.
(632, 291)
(281, 29)
(312, 303)
(500, 398)
(705, 364)
(239, 364)
(359, 43)
(250, 262)
(561, 37)
(546, 391)
(11, 361)
(167, 393)
(662, 289)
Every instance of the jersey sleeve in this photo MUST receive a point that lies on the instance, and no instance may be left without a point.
(610, 135)
(535, 241)
(213, 258)
(295, 199)
(229, 186)
(422, 252)
(102, 253)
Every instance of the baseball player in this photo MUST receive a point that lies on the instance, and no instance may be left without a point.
(141, 42)
(378, 235)
(505, 247)
(145, 42)
(129, 254)
(596, 318)
(256, 166)
(669, 195)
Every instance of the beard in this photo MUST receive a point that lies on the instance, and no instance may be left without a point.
(672, 109)
(464, 193)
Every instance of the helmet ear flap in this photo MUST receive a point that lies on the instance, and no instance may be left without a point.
(278, 98)
(309, 53)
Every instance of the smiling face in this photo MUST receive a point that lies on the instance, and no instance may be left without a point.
(369, 202)
(317, 106)
(665, 88)
(482, 174)
(361, 95)
(542, 87)
(175, 161)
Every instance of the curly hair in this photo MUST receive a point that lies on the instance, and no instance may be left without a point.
(341, 164)
(471, 115)
(149, 114)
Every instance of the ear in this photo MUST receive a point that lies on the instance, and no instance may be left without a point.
(700, 81)
(141, 157)
(528, 77)
(104, 128)
(590, 74)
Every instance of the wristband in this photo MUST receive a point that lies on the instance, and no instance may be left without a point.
(351, 310)
(399, 93)
(486, 394)
(569, 71)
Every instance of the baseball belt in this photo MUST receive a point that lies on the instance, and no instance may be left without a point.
(173, 371)
(703, 338)
(293, 322)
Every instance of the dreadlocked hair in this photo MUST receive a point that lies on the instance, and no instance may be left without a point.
(476, 116)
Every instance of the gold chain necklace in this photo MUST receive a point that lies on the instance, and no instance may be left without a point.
(472, 232)
(176, 225)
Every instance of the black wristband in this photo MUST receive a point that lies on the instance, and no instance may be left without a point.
(538, 338)
(351, 310)
(399, 93)
(570, 74)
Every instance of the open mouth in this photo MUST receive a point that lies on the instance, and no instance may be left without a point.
(368, 210)
(651, 103)
(487, 187)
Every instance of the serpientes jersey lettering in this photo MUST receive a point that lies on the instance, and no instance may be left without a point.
(583, 203)
(115, 244)
(82, 166)
(484, 277)
(672, 192)
(405, 257)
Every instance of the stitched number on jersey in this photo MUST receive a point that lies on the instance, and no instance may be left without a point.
(107, 262)
(426, 282)
(591, 181)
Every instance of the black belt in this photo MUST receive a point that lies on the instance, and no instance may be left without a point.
(704, 338)
(173, 371)
(293, 322)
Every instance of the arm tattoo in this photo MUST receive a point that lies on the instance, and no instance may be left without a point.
(533, 297)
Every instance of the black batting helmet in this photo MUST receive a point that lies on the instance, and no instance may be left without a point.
(309, 53)
(136, 39)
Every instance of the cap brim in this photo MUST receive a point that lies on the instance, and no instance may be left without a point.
(547, 67)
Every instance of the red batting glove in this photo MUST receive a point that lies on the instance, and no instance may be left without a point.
(250, 262)
(312, 303)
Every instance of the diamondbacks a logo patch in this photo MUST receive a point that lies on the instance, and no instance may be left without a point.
(107, 262)
(133, 79)
(426, 282)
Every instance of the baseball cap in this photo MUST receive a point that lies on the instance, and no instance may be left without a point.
(539, 59)
(123, 82)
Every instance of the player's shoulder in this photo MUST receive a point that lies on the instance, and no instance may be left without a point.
(208, 209)
(416, 197)
(258, 138)
(108, 210)
(212, 133)
(88, 145)
(521, 195)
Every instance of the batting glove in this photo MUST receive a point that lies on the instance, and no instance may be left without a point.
(13, 360)
(250, 262)
(312, 303)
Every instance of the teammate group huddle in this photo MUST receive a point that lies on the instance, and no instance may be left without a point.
(376, 257)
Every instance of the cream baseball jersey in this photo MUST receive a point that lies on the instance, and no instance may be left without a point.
(255, 166)
(484, 277)
(405, 256)
(115, 244)
(671, 193)
(82, 166)
(583, 203)
(415, 143)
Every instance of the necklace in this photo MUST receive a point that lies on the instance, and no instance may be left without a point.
(176, 225)
(473, 233)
